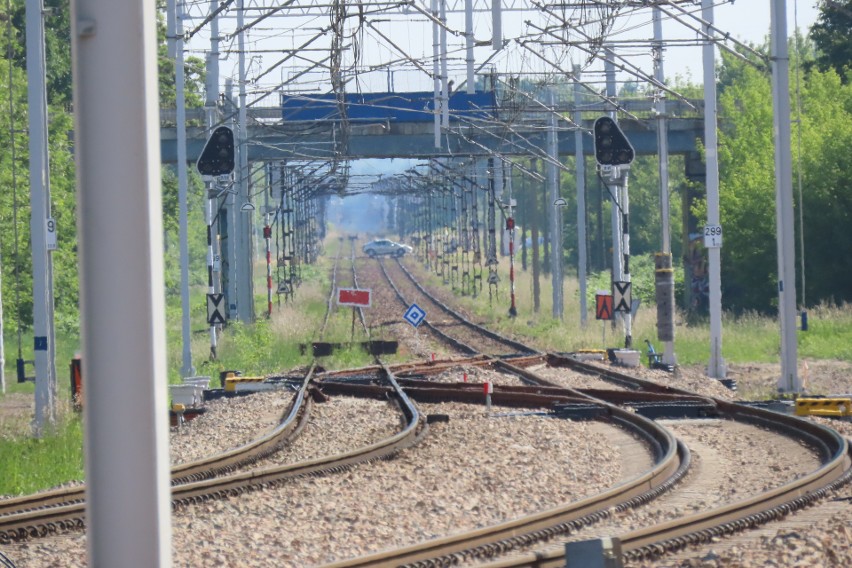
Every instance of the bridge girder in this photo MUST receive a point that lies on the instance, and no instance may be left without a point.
(274, 142)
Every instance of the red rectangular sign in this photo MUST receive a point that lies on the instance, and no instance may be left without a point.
(353, 297)
(603, 306)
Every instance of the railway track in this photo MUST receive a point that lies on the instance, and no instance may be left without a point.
(206, 468)
(834, 470)
(671, 458)
(55, 511)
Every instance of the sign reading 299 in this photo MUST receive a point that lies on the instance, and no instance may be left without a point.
(713, 236)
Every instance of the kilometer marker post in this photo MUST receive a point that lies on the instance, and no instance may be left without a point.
(488, 388)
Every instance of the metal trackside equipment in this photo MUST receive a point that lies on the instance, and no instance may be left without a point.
(827, 407)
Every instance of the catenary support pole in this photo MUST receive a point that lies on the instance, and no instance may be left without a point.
(496, 24)
(232, 213)
(468, 39)
(128, 510)
(785, 228)
(43, 335)
(716, 366)
(580, 163)
(554, 211)
(214, 259)
(663, 149)
(187, 369)
(436, 73)
(445, 85)
(244, 212)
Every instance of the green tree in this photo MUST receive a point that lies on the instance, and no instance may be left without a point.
(14, 209)
(194, 69)
(826, 186)
(831, 34)
(15, 203)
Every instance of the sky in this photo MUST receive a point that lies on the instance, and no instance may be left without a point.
(408, 35)
(745, 20)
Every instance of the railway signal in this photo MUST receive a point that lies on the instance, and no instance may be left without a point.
(612, 148)
(217, 157)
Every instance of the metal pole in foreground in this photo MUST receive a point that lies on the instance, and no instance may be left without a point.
(789, 380)
(128, 509)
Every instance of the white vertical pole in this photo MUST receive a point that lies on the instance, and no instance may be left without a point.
(128, 508)
(789, 380)
(663, 149)
(232, 213)
(187, 370)
(580, 164)
(212, 94)
(45, 395)
(468, 38)
(436, 73)
(445, 95)
(243, 225)
(554, 211)
(716, 366)
(496, 24)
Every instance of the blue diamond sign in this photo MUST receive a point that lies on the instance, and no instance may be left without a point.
(414, 315)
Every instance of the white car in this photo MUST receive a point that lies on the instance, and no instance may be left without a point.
(384, 246)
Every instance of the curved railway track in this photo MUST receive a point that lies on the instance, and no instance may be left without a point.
(404, 383)
(654, 540)
(49, 512)
(206, 468)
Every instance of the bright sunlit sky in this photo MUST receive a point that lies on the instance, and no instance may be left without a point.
(745, 20)
(401, 37)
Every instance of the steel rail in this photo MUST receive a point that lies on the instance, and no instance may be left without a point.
(44, 522)
(652, 541)
(656, 540)
(671, 463)
(291, 423)
(452, 341)
(208, 467)
(483, 330)
(204, 468)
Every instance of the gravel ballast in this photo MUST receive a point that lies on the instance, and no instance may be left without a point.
(473, 471)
